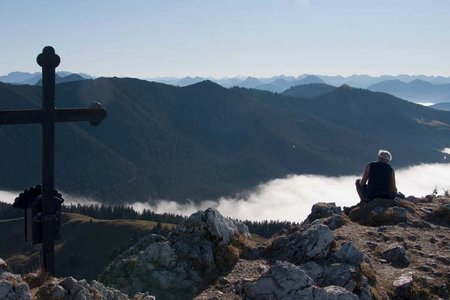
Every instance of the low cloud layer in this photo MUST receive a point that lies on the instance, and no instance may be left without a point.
(291, 198)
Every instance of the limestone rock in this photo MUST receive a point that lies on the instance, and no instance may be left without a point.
(380, 212)
(337, 274)
(12, 287)
(328, 214)
(179, 265)
(396, 255)
(338, 293)
(72, 289)
(224, 229)
(3, 266)
(403, 284)
(349, 253)
(323, 210)
(312, 243)
(285, 280)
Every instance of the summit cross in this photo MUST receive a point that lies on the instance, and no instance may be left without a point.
(48, 116)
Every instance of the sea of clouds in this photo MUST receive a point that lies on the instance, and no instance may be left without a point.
(291, 198)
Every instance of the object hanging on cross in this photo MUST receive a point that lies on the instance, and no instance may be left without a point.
(47, 116)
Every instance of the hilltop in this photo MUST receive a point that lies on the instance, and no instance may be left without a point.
(310, 90)
(204, 141)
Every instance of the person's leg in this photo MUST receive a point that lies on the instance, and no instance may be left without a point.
(362, 191)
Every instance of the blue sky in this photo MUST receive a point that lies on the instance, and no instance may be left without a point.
(146, 38)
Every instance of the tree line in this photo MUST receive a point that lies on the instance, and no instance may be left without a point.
(108, 212)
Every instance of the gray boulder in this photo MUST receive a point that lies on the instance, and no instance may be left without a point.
(211, 221)
(72, 289)
(285, 281)
(312, 243)
(328, 213)
(403, 284)
(3, 266)
(178, 266)
(323, 210)
(337, 274)
(396, 255)
(349, 253)
(12, 286)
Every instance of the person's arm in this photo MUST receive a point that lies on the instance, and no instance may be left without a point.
(365, 177)
(394, 187)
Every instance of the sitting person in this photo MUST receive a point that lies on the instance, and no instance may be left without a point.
(378, 180)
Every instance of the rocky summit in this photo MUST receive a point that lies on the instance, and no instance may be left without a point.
(385, 249)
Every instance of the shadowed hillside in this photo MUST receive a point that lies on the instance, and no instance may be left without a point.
(87, 247)
(309, 90)
(204, 141)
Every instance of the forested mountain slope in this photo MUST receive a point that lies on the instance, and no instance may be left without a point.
(204, 141)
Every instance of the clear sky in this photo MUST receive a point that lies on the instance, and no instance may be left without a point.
(146, 38)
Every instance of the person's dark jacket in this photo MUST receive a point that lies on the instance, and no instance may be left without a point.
(381, 183)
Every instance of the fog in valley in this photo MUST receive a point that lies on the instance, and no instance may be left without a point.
(291, 198)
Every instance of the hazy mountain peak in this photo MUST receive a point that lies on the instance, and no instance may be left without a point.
(310, 79)
(346, 87)
(207, 84)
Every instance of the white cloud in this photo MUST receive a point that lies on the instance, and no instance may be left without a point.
(291, 198)
(9, 196)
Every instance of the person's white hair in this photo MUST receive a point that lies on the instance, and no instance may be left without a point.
(385, 155)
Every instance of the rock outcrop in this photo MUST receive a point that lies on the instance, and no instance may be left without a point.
(386, 250)
(313, 242)
(12, 286)
(35, 286)
(197, 251)
(383, 212)
(326, 261)
(285, 281)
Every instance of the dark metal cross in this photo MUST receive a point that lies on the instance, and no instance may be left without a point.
(47, 116)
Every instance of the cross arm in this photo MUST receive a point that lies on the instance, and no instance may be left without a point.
(95, 114)
(24, 116)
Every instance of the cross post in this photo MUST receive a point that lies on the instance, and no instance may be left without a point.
(47, 116)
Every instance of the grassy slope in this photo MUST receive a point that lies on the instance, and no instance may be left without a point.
(87, 247)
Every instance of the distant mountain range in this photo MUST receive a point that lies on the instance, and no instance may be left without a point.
(417, 90)
(204, 141)
(35, 78)
(413, 88)
(68, 78)
(441, 106)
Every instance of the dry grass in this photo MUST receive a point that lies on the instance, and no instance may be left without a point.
(88, 245)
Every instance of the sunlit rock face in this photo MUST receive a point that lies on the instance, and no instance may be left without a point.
(198, 249)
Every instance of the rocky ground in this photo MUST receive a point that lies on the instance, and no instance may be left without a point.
(387, 249)
(401, 252)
